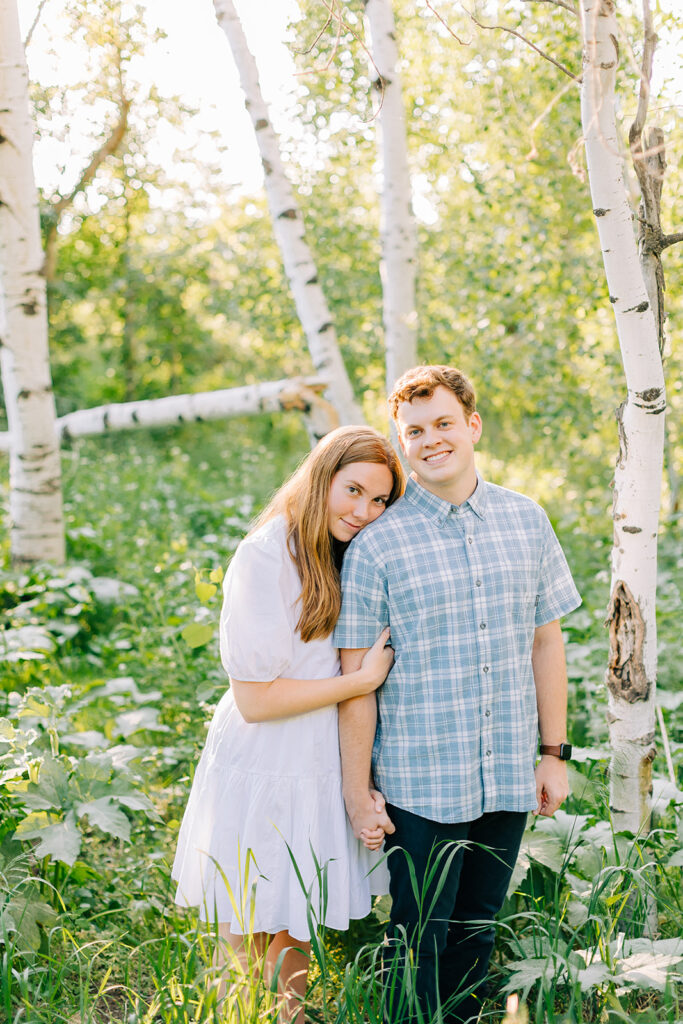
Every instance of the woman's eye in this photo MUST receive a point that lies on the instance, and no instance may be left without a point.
(352, 490)
(380, 501)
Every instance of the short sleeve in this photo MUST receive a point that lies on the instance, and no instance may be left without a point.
(255, 629)
(365, 610)
(557, 594)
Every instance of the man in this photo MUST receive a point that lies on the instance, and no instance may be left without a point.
(472, 581)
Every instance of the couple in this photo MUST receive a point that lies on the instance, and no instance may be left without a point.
(471, 581)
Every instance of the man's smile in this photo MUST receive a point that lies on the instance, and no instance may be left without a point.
(437, 457)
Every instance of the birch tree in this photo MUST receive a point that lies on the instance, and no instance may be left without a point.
(302, 395)
(311, 305)
(632, 666)
(35, 504)
(397, 226)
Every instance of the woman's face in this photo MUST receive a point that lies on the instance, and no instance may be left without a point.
(358, 494)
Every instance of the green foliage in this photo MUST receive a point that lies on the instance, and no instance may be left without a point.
(106, 724)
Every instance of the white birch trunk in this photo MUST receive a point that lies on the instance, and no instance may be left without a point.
(631, 674)
(35, 504)
(397, 225)
(288, 225)
(272, 396)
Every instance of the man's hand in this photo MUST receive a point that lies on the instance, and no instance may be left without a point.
(552, 784)
(367, 814)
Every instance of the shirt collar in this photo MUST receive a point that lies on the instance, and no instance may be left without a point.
(439, 509)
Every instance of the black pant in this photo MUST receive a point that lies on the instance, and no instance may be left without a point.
(443, 909)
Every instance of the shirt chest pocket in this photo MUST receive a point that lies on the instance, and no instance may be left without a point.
(517, 586)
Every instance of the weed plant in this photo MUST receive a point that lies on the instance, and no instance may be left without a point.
(109, 673)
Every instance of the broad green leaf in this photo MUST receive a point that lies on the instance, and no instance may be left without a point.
(205, 591)
(52, 787)
(524, 974)
(137, 802)
(196, 634)
(647, 970)
(59, 840)
(593, 975)
(23, 914)
(130, 722)
(107, 816)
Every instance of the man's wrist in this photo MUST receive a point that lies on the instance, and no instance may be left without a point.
(563, 751)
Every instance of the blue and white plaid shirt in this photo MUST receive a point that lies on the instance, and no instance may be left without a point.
(463, 589)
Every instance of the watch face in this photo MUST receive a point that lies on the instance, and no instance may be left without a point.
(565, 751)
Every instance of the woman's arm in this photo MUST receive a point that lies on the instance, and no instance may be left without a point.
(283, 697)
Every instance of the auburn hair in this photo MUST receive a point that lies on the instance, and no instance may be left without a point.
(303, 501)
(422, 382)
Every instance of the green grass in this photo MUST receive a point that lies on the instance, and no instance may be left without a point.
(119, 706)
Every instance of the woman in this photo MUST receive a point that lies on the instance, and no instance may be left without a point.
(266, 803)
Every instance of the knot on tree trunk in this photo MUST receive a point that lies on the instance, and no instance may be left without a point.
(626, 677)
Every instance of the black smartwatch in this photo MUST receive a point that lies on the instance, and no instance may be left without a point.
(561, 750)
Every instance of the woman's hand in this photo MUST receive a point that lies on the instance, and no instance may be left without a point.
(372, 838)
(376, 663)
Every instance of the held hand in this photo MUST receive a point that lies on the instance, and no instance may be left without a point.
(372, 839)
(376, 663)
(365, 817)
(552, 785)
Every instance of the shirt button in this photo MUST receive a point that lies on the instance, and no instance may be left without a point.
(488, 753)
(477, 583)
(486, 668)
(482, 625)
(488, 712)
(470, 539)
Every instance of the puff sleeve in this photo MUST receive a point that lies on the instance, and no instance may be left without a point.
(256, 634)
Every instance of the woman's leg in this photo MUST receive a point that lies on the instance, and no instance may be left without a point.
(293, 976)
(234, 950)
(247, 951)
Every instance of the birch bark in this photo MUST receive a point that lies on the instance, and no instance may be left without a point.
(288, 224)
(35, 503)
(632, 669)
(273, 396)
(397, 225)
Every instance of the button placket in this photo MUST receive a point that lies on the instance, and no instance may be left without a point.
(485, 682)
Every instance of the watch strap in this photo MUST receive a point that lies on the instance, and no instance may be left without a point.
(561, 750)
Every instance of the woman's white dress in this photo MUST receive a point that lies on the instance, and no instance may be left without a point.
(267, 796)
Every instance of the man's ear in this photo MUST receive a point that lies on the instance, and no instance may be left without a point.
(476, 426)
(398, 436)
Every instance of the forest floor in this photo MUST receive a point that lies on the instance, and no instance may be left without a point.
(109, 673)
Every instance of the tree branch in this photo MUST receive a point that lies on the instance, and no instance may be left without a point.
(445, 24)
(518, 35)
(108, 147)
(29, 34)
(557, 3)
(668, 240)
(635, 134)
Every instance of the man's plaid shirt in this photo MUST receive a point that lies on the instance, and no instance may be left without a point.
(462, 588)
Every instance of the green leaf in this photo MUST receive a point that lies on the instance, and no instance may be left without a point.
(137, 802)
(196, 634)
(205, 591)
(525, 973)
(107, 816)
(135, 721)
(59, 840)
(23, 914)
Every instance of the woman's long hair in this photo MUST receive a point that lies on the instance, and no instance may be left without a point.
(303, 501)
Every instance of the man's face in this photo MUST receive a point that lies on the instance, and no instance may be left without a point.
(438, 441)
